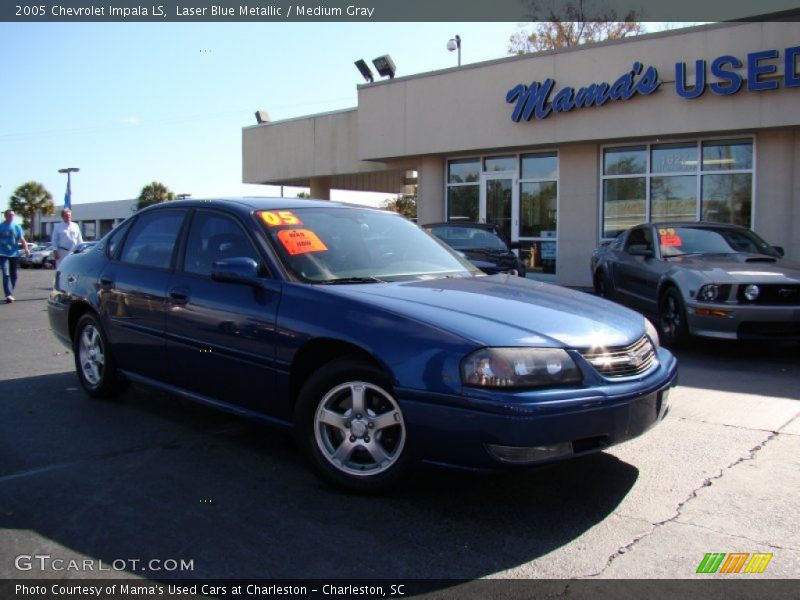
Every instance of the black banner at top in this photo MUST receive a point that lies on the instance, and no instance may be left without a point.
(396, 10)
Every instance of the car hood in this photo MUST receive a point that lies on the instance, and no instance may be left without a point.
(504, 310)
(740, 267)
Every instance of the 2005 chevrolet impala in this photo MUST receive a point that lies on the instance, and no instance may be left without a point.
(373, 340)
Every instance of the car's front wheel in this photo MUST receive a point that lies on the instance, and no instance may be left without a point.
(94, 361)
(351, 427)
(672, 318)
(601, 285)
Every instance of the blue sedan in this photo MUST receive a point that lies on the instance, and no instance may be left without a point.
(376, 343)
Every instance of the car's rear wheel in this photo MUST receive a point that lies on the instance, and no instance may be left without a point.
(351, 427)
(94, 361)
(672, 318)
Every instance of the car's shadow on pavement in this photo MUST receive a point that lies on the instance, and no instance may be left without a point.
(750, 367)
(156, 477)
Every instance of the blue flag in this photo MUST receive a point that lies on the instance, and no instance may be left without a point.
(68, 196)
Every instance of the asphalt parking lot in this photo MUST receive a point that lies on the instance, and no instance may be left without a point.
(154, 477)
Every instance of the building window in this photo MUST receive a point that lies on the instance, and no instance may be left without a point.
(538, 211)
(463, 189)
(89, 231)
(683, 181)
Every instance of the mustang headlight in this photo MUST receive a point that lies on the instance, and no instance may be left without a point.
(519, 368)
(652, 333)
(711, 292)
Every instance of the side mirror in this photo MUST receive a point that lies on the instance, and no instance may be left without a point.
(640, 250)
(779, 250)
(240, 269)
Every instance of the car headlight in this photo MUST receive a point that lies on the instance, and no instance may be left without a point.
(712, 292)
(652, 333)
(519, 368)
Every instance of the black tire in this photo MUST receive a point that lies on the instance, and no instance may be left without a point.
(672, 324)
(94, 361)
(351, 428)
(601, 285)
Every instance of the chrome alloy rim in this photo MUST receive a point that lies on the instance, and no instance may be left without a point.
(91, 355)
(359, 429)
(671, 319)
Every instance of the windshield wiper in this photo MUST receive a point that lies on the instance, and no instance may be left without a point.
(353, 280)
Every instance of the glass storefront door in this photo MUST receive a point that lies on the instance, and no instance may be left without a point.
(499, 202)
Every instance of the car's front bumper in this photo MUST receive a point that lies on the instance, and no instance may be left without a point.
(537, 429)
(736, 321)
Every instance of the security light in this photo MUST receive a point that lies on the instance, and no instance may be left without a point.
(385, 66)
(262, 116)
(364, 69)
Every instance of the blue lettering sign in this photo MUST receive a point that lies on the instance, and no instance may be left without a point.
(754, 70)
(699, 80)
(790, 76)
(534, 100)
(732, 77)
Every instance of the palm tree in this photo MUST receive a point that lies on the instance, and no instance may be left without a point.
(154, 193)
(30, 199)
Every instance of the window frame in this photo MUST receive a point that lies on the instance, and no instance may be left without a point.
(698, 173)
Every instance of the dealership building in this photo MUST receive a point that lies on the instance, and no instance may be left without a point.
(564, 149)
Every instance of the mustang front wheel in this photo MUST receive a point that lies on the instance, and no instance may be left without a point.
(672, 318)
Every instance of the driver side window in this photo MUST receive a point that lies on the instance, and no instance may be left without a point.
(212, 237)
(640, 237)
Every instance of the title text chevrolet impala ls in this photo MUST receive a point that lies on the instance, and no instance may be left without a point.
(374, 341)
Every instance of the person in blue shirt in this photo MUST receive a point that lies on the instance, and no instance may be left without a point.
(11, 237)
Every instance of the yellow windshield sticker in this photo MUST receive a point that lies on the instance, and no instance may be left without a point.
(276, 218)
(301, 241)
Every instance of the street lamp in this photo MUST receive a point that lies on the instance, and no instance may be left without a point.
(183, 196)
(68, 195)
(455, 44)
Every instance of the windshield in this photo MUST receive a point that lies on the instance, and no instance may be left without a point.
(469, 238)
(675, 241)
(352, 245)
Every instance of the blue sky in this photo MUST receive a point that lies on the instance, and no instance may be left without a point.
(130, 103)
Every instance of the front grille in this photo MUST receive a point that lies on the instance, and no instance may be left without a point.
(773, 294)
(622, 361)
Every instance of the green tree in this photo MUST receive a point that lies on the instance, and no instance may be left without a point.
(578, 22)
(154, 193)
(404, 204)
(31, 199)
(303, 195)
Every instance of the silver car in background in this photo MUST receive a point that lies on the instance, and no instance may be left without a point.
(705, 279)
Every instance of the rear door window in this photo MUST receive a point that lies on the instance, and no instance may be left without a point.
(153, 238)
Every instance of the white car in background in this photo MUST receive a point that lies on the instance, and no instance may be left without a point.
(43, 258)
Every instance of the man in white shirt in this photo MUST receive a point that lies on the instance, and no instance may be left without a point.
(66, 235)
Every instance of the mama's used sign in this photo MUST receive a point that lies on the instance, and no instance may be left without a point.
(539, 101)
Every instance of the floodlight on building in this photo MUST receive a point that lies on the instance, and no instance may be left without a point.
(455, 44)
(385, 66)
(364, 70)
(262, 116)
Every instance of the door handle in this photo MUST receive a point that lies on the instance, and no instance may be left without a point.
(106, 282)
(178, 296)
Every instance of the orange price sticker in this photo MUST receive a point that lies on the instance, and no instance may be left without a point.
(276, 218)
(671, 241)
(301, 241)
